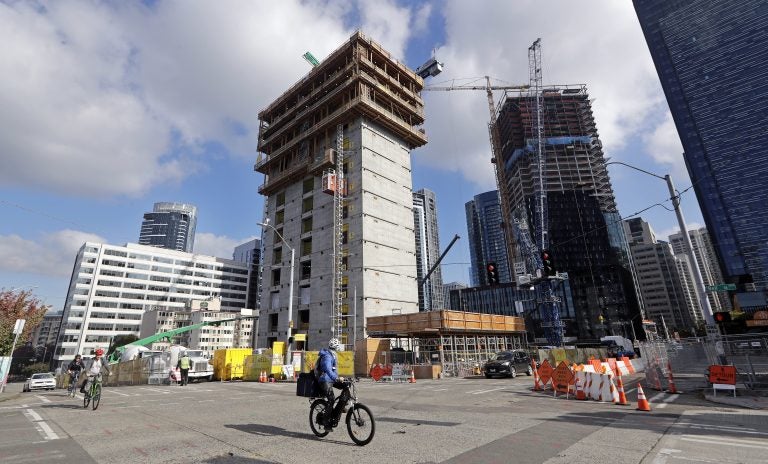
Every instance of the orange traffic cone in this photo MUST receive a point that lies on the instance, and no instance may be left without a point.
(642, 401)
(672, 388)
(262, 377)
(413, 378)
(580, 391)
(622, 396)
(536, 384)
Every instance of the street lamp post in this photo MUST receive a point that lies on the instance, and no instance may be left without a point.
(290, 294)
(701, 290)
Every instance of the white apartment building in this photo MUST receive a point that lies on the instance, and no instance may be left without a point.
(48, 330)
(113, 286)
(230, 334)
(708, 264)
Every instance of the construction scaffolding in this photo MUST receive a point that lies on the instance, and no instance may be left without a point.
(460, 342)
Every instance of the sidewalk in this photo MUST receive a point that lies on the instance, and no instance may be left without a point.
(745, 399)
(12, 391)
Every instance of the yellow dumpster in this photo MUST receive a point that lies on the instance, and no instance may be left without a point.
(229, 363)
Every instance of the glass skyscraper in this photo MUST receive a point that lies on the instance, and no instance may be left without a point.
(710, 56)
(486, 238)
(170, 226)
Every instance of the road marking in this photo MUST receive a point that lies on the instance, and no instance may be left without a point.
(43, 427)
(117, 393)
(155, 390)
(123, 407)
(630, 391)
(667, 400)
(653, 399)
(43, 399)
(664, 454)
(713, 440)
(480, 392)
(205, 401)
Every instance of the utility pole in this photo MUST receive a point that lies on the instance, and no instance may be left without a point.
(18, 328)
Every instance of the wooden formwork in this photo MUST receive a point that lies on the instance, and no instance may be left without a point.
(444, 322)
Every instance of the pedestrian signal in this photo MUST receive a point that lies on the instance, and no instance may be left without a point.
(492, 273)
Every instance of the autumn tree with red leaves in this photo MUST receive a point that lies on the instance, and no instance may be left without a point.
(18, 305)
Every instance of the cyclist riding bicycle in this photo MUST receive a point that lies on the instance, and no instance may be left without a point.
(94, 368)
(328, 378)
(74, 369)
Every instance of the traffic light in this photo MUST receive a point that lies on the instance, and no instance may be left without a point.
(723, 317)
(492, 272)
(548, 266)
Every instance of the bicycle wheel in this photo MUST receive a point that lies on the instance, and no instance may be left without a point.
(96, 395)
(86, 399)
(360, 424)
(316, 413)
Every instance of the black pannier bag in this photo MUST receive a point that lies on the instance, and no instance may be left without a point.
(307, 385)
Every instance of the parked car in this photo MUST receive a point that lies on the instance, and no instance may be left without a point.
(508, 364)
(45, 381)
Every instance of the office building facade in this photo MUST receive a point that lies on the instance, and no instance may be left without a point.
(170, 226)
(708, 55)
(709, 266)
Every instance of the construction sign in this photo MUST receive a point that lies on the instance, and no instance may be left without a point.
(545, 372)
(722, 374)
(562, 377)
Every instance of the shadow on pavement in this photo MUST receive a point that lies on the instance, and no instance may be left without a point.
(417, 422)
(271, 430)
(63, 406)
(702, 423)
(231, 459)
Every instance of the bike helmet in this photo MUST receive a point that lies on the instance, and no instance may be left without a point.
(99, 352)
(334, 344)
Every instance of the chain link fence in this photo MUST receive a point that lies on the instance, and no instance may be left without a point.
(689, 360)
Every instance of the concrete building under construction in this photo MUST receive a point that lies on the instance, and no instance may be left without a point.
(583, 228)
(335, 151)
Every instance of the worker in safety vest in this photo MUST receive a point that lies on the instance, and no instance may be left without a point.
(184, 364)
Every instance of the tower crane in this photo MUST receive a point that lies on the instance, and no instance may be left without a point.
(531, 250)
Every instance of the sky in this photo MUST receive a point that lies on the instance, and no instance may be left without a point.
(107, 107)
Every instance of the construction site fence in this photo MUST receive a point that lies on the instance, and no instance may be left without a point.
(686, 362)
(465, 363)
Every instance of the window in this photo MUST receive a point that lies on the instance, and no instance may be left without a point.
(345, 237)
(277, 255)
(308, 185)
(306, 225)
(280, 199)
(307, 204)
(306, 270)
(273, 322)
(274, 300)
(276, 276)
(306, 247)
(280, 217)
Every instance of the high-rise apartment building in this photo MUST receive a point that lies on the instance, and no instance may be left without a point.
(170, 226)
(708, 264)
(709, 55)
(427, 250)
(486, 238)
(664, 296)
(113, 286)
(47, 331)
(358, 113)
(584, 232)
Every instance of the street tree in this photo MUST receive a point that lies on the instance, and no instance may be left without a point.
(18, 305)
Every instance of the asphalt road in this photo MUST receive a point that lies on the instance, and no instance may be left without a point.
(450, 420)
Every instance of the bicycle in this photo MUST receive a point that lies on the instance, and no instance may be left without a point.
(71, 390)
(93, 393)
(360, 423)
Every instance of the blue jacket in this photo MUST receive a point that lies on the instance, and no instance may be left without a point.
(327, 366)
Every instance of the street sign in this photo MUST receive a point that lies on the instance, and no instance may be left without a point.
(19, 327)
(545, 372)
(562, 377)
(722, 374)
(721, 287)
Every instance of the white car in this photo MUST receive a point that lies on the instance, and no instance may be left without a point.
(44, 381)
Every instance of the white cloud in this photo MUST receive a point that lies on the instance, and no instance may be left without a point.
(664, 147)
(116, 98)
(217, 245)
(51, 255)
(599, 44)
